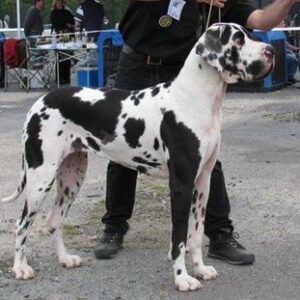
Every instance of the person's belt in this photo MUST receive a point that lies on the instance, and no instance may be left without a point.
(148, 59)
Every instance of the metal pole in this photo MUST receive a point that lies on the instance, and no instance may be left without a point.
(18, 19)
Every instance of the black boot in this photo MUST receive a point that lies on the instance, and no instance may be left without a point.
(109, 245)
(223, 245)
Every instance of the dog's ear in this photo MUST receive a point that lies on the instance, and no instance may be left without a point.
(211, 43)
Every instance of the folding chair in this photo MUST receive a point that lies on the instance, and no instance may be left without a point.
(39, 67)
(14, 65)
(21, 65)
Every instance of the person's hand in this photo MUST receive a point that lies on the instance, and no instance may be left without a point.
(217, 3)
(281, 24)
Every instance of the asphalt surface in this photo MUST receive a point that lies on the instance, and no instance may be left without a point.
(261, 159)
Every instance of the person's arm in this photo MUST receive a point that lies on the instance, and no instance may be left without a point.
(78, 18)
(291, 47)
(270, 16)
(28, 22)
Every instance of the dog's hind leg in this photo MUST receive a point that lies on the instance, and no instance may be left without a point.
(69, 179)
(39, 183)
(196, 227)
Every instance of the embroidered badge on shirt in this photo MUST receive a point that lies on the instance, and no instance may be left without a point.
(165, 21)
(175, 9)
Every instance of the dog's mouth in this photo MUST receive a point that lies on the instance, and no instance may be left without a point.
(269, 71)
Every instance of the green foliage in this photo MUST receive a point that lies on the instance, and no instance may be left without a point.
(114, 9)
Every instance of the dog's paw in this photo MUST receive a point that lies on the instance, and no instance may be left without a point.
(206, 272)
(70, 261)
(23, 272)
(186, 282)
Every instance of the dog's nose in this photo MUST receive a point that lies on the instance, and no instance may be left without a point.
(269, 51)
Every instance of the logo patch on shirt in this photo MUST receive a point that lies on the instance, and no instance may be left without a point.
(165, 21)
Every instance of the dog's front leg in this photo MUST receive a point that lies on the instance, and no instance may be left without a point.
(181, 195)
(196, 227)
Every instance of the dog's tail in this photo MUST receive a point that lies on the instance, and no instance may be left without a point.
(20, 187)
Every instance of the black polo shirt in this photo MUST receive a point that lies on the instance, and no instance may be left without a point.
(142, 31)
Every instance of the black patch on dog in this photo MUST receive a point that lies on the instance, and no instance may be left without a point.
(59, 133)
(49, 186)
(183, 146)
(23, 183)
(141, 95)
(24, 213)
(226, 35)
(23, 241)
(200, 49)
(239, 38)
(196, 226)
(77, 145)
(67, 191)
(167, 84)
(212, 56)
(99, 118)
(93, 144)
(26, 224)
(52, 230)
(134, 129)
(255, 68)
(45, 116)
(142, 169)
(33, 151)
(32, 214)
(178, 272)
(124, 116)
(145, 162)
(155, 91)
(156, 144)
(212, 40)
(235, 55)
(195, 196)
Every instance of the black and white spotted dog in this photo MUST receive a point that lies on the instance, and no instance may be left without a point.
(170, 130)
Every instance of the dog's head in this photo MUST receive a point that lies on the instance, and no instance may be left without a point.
(228, 48)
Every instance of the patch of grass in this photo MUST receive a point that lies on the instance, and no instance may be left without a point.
(97, 212)
(70, 229)
(160, 188)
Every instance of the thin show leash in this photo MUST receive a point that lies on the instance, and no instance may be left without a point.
(209, 14)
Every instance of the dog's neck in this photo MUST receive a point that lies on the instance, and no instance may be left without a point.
(198, 80)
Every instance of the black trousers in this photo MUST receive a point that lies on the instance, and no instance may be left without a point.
(134, 73)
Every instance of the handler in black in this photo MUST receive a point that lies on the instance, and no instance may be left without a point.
(156, 46)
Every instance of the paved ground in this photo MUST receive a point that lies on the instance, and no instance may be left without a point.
(261, 159)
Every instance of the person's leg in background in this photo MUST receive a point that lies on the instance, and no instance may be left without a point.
(218, 225)
(292, 65)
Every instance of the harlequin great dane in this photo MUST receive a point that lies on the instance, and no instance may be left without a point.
(170, 130)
